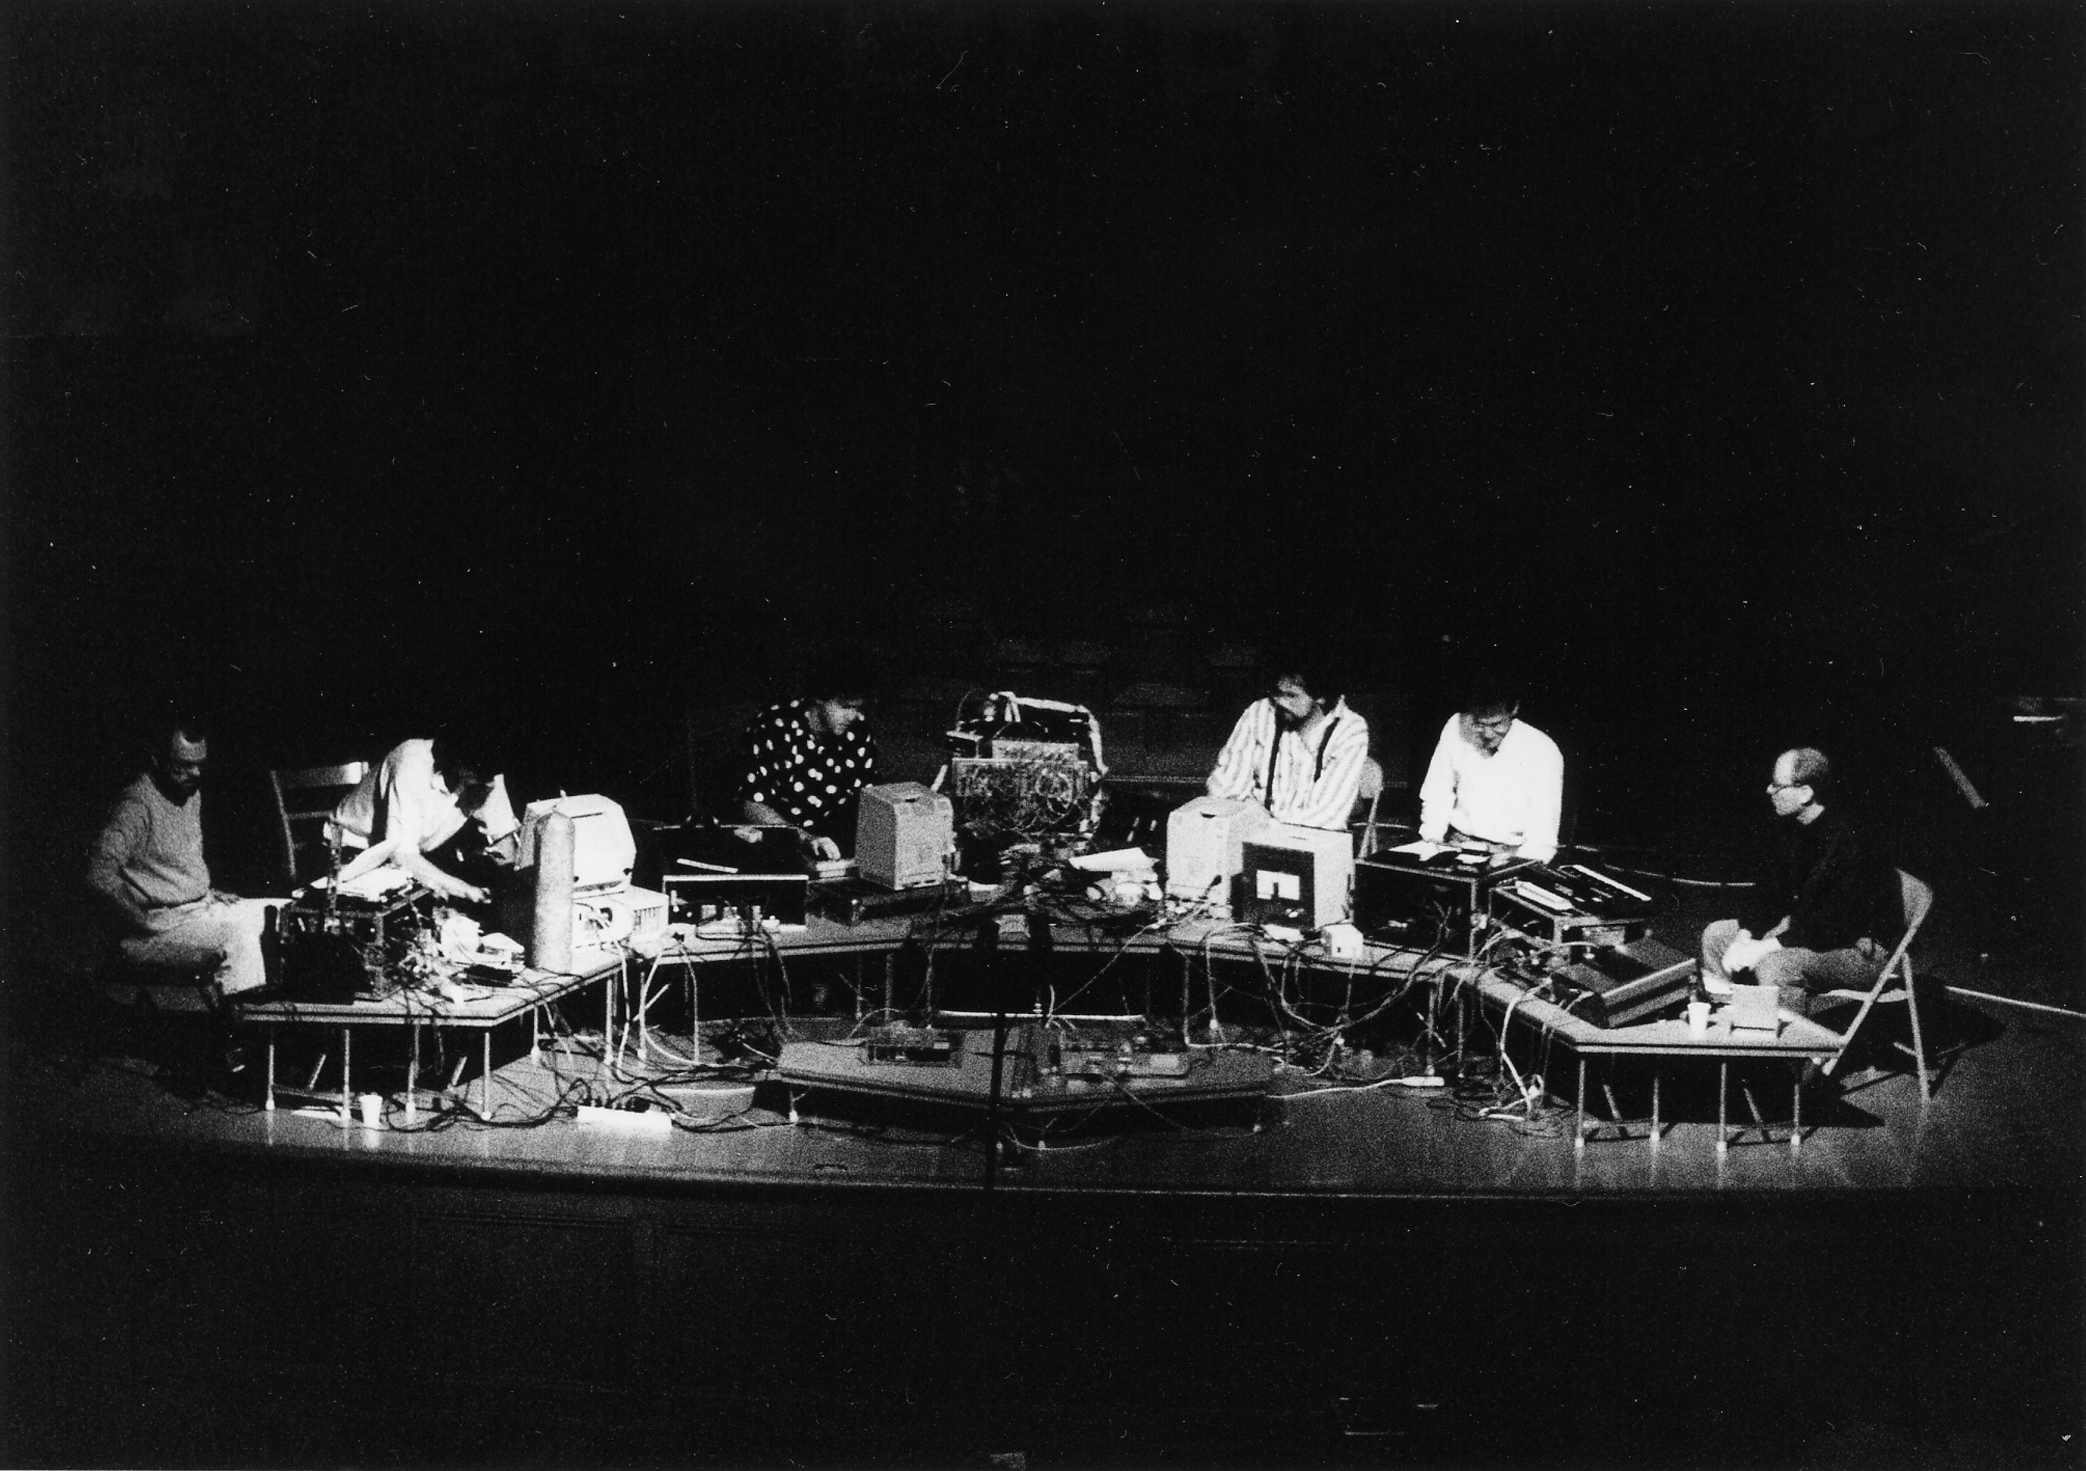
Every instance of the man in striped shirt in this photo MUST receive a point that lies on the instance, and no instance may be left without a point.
(1298, 752)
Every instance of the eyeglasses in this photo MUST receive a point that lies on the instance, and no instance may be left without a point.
(1784, 786)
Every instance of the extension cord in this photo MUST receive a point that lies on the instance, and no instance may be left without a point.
(626, 1121)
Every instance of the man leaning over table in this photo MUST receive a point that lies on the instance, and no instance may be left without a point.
(436, 809)
(1494, 780)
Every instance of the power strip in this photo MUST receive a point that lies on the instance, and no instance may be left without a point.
(627, 1121)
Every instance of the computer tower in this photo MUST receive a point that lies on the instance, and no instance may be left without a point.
(904, 835)
(1205, 840)
(1297, 878)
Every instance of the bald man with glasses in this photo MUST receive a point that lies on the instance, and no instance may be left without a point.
(1825, 911)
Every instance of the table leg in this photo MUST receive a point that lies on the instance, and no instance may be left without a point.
(1579, 1130)
(269, 1104)
(347, 1088)
(1723, 1092)
(1657, 1074)
(485, 1076)
(413, 1073)
(1796, 1111)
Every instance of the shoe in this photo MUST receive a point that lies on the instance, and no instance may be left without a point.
(1817, 1085)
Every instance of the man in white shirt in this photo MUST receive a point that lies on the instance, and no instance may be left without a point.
(1494, 780)
(1299, 752)
(417, 811)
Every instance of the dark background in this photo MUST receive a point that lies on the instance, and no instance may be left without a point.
(567, 364)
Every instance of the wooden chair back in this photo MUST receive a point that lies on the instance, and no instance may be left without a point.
(305, 797)
(1368, 797)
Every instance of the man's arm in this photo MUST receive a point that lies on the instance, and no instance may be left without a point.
(1236, 775)
(1761, 920)
(1764, 907)
(754, 785)
(1835, 906)
(1438, 791)
(113, 846)
(763, 815)
(1545, 809)
(406, 855)
(502, 831)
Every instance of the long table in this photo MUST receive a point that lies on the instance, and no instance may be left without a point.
(528, 995)
(1796, 1040)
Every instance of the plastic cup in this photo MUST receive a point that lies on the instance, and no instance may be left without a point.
(1698, 1018)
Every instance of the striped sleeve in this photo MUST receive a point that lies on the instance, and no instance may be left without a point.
(1330, 799)
(1243, 761)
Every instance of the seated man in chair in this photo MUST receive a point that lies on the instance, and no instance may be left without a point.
(1826, 909)
(148, 873)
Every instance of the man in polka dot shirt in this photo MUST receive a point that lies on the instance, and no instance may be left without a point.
(803, 763)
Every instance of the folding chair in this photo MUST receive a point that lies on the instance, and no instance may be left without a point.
(1918, 899)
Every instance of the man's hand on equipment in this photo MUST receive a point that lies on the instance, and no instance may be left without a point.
(747, 834)
(823, 849)
(1745, 951)
(468, 893)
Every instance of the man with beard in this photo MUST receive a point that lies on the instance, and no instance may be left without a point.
(1298, 752)
(147, 870)
(1495, 782)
